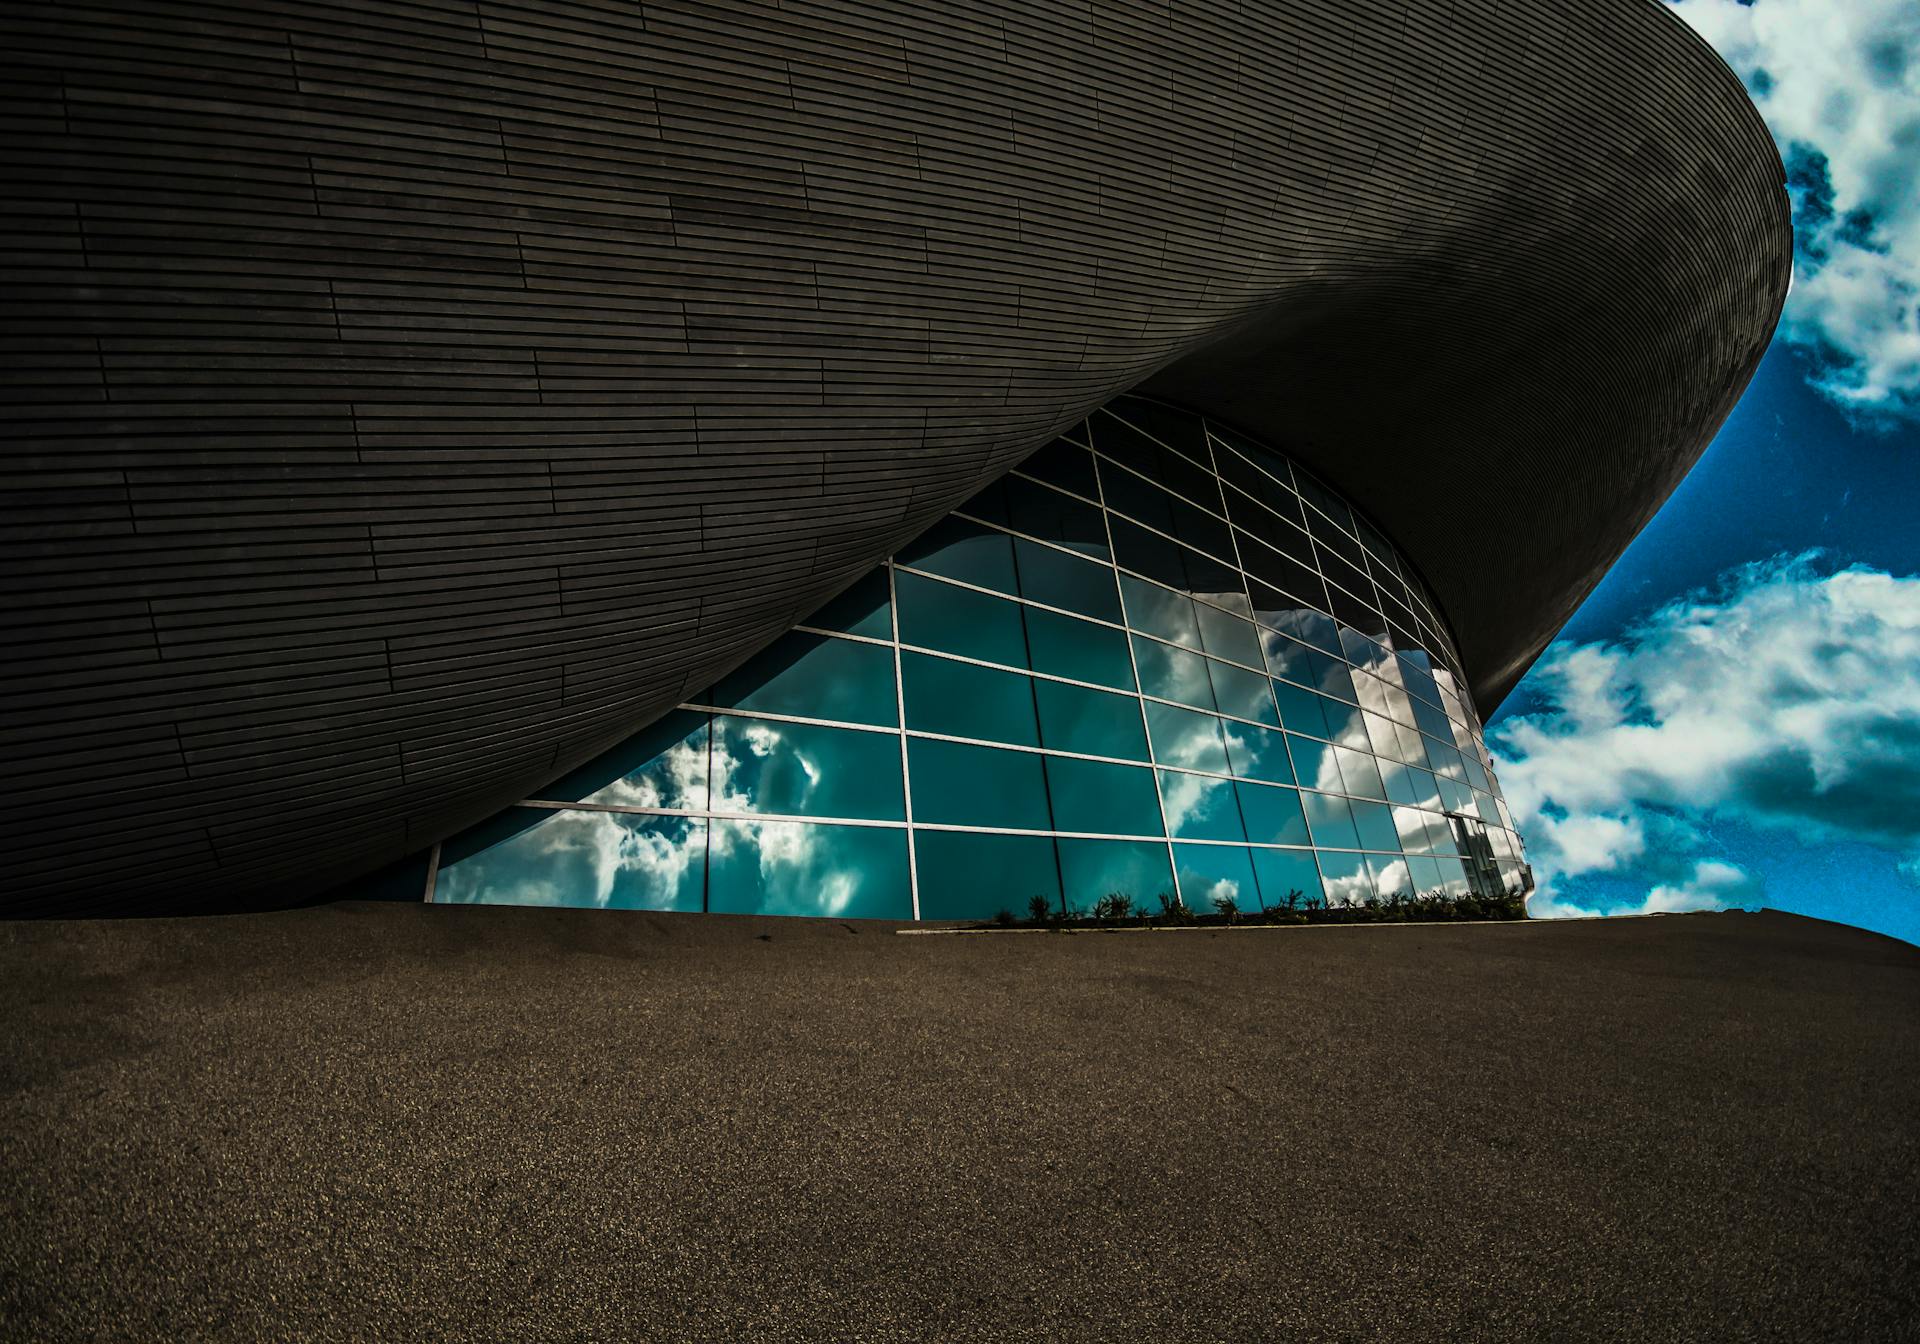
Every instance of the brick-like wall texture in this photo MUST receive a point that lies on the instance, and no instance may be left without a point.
(406, 398)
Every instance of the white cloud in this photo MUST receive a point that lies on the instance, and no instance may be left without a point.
(1789, 699)
(1839, 85)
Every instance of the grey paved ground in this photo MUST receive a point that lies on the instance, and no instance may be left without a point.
(392, 1122)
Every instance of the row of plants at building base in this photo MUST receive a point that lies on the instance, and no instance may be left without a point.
(1117, 909)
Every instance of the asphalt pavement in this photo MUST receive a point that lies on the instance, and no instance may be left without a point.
(396, 1122)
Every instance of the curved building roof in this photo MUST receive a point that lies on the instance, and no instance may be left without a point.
(408, 401)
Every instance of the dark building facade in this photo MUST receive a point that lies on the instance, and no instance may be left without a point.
(409, 402)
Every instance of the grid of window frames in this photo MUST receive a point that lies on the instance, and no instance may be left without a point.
(1157, 660)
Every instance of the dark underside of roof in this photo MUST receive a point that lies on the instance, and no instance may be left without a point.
(408, 401)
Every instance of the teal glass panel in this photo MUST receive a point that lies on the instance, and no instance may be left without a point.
(958, 785)
(809, 868)
(1066, 581)
(1172, 674)
(1257, 753)
(1213, 872)
(969, 552)
(1382, 738)
(935, 615)
(662, 765)
(1426, 789)
(1453, 877)
(1457, 797)
(814, 677)
(1067, 647)
(1094, 723)
(1103, 799)
(1346, 724)
(1158, 612)
(1243, 694)
(1410, 823)
(1052, 516)
(605, 860)
(1398, 783)
(1272, 815)
(1424, 874)
(1374, 822)
(863, 609)
(966, 875)
(1289, 878)
(805, 770)
(1200, 807)
(1226, 636)
(1330, 820)
(1333, 677)
(1361, 774)
(1391, 876)
(1346, 879)
(1300, 709)
(1090, 869)
(1286, 658)
(1186, 738)
(1064, 464)
(966, 701)
(1314, 766)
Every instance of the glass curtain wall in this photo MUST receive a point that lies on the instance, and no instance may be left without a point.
(1156, 660)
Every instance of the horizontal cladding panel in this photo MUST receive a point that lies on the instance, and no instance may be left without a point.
(414, 386)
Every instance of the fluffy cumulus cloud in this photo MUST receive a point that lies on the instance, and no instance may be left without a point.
(1838, 81)
(1788, 698)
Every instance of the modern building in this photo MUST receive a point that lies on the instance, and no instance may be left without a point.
(832, 458)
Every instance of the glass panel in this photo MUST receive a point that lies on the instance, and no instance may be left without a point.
(1094, 723)
(1391, 877)
(1300, 709)
(663, 765)
(1176, 428)
(1411, 824)
(814, 677)
(1062, 580)
(1374, 822)
(1398, 784)
(937, 615)
(1345, 879)
(1103, 799)
(1286, 657)
(1330, 821)
(964, 875)
(1272, 815)
(970, 552)
(1289, 878)
(1424, 874)
(1160, 612)
(1182, 737)
(1215, 872)
(1148, 553)
(610, 860)
(862, 609)
(977, 786)
(966, 701)
(804, 770)
(1200, 807)
(1052, 516)
(1139, 869)
(1243, 694)
(1066, 646)
(1257, 753)
(1314, 766)
(809, 868)
(1066, 465)
(1361, 775)
(1346, 724)
(1172, 674)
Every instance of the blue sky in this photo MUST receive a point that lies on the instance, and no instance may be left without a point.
(1732, 720)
